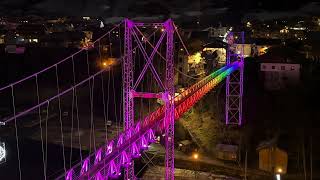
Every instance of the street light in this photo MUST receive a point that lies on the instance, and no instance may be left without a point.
(195, 156)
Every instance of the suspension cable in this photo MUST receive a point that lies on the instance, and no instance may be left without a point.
(92, 129)
(71, 134)
(47, 118)
(90, 97)
(184, 46)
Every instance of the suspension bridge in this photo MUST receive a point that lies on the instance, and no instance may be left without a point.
(137, 46)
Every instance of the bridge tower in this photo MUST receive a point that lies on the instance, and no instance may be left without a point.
(234, 82)
(167, 85)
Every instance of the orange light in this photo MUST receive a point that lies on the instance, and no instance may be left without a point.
(195, 156)
(104, 64)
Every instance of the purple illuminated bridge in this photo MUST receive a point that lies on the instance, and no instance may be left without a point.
(118, 153)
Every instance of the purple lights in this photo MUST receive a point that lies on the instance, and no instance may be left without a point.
(98, 156)
(135, 151)
(109, 147)
(113, 170)
(85, 166)
(69, 175)
(150, 136)
(118, 155)
(124, 159)
(143, 143)
(99, 176)
(120, 140)
(234, 82)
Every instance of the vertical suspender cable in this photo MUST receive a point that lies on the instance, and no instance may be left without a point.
(91, 116)
(16, 131)
(60, 119)
(71, 134)
(77, 108)
(91, 100)
(114, 93)
(103, 96)
(47, 118)
(41, 131)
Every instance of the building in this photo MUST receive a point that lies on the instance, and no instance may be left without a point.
(280, 72)
(279, 75)
(30, 33)
(215, 53)
(217, 32)
(256, 47)
(227, 152)
(271, 158)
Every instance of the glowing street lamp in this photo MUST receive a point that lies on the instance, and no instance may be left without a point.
(195, 156)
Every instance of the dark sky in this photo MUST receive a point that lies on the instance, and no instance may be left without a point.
(108, 7)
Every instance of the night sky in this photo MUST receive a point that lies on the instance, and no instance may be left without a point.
(133, 7)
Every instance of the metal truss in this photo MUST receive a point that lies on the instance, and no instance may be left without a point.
(234, 82)
(167, 85)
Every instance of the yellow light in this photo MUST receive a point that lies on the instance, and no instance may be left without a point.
(195, 58)
(162, 30)
(279, 170)
(195, 156)
(108, 62)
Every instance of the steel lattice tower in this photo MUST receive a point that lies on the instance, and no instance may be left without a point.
(169, 105)
(127, 75)
(234, 82)
(167, 85)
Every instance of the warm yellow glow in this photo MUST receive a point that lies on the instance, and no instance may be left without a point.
(162, 30)
(263, 50)
(284, 30)
(195, 156)
(108, 62)
(279, 170)
(195, 58)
